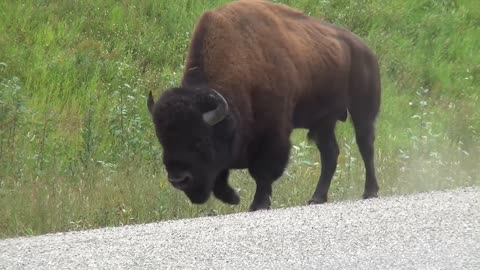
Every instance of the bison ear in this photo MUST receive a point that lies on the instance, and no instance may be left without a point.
(150, 102)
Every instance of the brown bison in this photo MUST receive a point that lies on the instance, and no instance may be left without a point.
(255, 71)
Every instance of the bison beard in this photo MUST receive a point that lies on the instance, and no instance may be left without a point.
(255, 71)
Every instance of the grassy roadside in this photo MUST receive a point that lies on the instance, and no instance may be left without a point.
(77, 149)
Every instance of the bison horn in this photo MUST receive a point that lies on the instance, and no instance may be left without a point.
(218, 114)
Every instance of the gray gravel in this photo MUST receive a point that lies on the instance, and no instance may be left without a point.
(439, 230)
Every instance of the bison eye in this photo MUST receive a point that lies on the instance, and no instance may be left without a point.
(176, 165)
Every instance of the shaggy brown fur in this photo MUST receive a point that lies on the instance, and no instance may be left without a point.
(279, 69)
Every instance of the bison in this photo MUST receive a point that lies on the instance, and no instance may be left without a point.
(255, 71)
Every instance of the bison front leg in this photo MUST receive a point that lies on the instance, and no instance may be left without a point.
(223, 191)
(268, 164)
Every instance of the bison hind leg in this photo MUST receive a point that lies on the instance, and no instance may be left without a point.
(323, 135)
(365, 137)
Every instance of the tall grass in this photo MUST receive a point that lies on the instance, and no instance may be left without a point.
(77, 149)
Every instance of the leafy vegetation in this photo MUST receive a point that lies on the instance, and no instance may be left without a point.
(77, 149)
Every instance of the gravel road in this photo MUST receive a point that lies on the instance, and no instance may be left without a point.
(439, 230)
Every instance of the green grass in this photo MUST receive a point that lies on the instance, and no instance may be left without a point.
(77, 149)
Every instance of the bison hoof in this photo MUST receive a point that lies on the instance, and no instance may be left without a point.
(314, 201)
(233, 199)
(230, 197)
(258, 207)
(369, 195)
(318, 200)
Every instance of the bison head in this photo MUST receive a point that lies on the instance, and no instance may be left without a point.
(196, 132)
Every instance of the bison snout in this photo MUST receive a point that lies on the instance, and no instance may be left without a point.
(181, 181)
